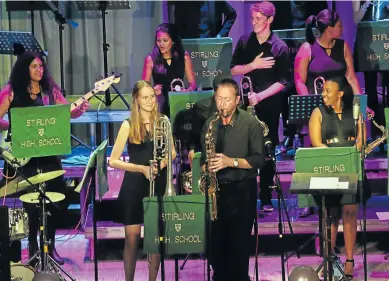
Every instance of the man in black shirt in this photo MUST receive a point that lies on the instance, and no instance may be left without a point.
(202, 110)
(264, 57)
(239, 143)
(202, 19)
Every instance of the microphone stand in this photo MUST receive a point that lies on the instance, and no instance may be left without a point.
(61, 20)
(207, 222)
(280, 199)
(161, 228)
(363, 196)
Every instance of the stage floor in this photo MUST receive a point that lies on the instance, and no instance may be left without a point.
(72, 249)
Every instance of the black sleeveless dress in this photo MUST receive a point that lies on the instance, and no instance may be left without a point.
(164, 74)
(45, 164)
(327, 66)
(338, 132)
(135, 186)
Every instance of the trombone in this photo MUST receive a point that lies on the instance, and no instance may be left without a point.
(244, 84)
(180, 86)
(162, 142)
(318, 85)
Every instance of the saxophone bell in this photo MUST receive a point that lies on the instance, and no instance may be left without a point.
(378, 141)
(265, 128)
(186, 178)
(177, 85)
(246, 87)
(318, 85)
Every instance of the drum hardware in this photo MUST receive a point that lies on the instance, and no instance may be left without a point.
(44, 260)
(21, 272)
(21, 183)
(18, 223)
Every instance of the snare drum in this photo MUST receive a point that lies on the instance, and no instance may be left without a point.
(20, 272)
(18, 223)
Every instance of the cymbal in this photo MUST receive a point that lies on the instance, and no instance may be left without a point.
(12, 187)
(33, 197)
(42, 177)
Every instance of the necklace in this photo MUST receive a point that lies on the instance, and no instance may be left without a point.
(32, 95)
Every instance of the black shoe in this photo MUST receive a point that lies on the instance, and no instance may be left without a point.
(267, 208)
(306, 212)
(54, 254)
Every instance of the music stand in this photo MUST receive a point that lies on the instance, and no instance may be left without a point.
(9, 40)
(61, 20)
(31, 6)
(301, 107)
(103, 6)
(323, 185)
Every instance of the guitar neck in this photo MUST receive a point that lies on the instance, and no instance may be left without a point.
(87, 96)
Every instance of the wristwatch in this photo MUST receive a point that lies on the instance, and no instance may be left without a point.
(236, 163)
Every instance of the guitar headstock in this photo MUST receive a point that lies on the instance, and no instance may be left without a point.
(103, 84)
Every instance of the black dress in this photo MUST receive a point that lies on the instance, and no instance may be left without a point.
(135, 186)
(164, 74)
(327, 66)
(338, 132)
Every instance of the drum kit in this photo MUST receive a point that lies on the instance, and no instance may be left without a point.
(18, 223)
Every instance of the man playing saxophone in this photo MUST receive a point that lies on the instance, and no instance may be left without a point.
(238, 153)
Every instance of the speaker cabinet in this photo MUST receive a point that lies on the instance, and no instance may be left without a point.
(5, 270)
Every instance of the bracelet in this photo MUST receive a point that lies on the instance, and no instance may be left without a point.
(363, 8)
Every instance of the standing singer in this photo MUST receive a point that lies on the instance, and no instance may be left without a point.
(264, 57)
(239, 144)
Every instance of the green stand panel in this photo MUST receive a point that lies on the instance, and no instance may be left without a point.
(184, 223)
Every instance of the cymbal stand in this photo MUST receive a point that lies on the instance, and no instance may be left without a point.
(45, 261)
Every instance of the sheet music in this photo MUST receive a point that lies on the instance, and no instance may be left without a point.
(91, 163)
(327, 183)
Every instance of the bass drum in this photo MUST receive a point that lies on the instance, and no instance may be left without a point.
(21, 272)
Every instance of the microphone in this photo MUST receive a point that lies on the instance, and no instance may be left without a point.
(356, 110)
(269, 148)
(9, 157)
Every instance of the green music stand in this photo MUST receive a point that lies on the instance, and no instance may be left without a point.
(210, 57)
(36, 132)
(324, 160)
(41, 131)
(183, 101)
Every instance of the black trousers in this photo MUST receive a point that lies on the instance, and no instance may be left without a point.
(271, 116)
(372, 97)
(230, 233)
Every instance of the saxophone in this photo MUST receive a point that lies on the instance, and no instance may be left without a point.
(378, 141)
(265, 128)
(245, 83)
(210, 177)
